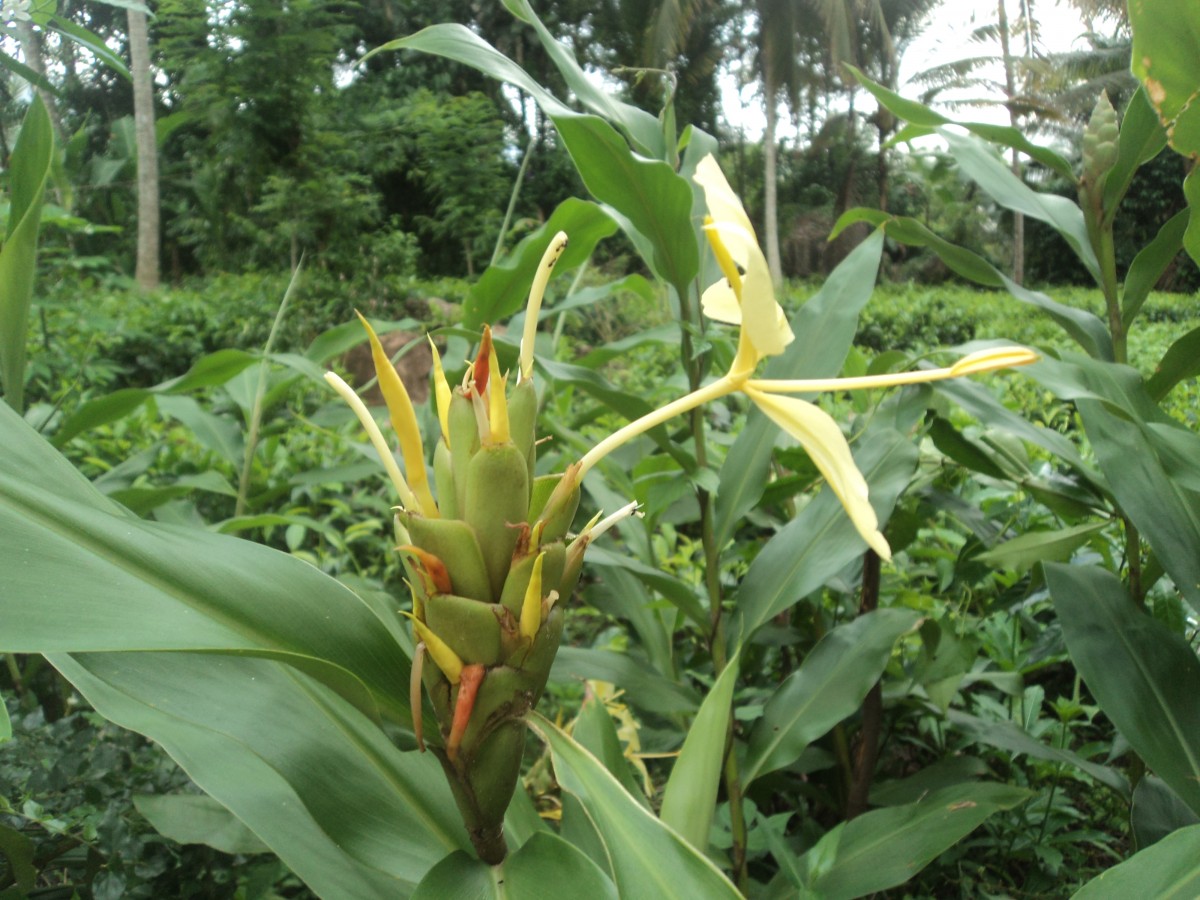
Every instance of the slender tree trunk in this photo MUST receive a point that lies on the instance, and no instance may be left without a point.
(770, 184)
(147, 274)
(1010, 91)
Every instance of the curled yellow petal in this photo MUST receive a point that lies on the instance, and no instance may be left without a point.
(441, 392)
(723, 204)
(991, 360)
(404, 421)
(407, 499)
(822, 439)
(445, 658)
(532, 309)
(531, 607)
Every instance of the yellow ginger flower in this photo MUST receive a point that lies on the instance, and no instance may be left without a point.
(745, 297)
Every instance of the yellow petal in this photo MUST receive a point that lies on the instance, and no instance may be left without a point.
(822, 439)
(441, 392)
(720, 303)
(719, 197)
(990, 360)
(531, 607)
(404, 421)
(497, 403)
(761, 316)
(533, 308)
(447, 660)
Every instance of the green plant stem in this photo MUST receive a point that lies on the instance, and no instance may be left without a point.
(872, 709)
(14, 672)
(1133, 559)
(512, 200)
(1112, 301)
(255, 423)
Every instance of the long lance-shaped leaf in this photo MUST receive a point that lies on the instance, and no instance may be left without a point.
(691, 793)
(885, 848)
(827, 688)
(1145, 677)
(648, 198)
(544, 865)
(29, 170)
(81, 574)
(1152, 260)
(1164, 57)
(317, 782)
(824, 329)
(1169, 870)
(647, 858)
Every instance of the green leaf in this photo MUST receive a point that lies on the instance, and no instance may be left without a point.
(1152, 260)
(92, 42)
(1033, 547)
(82, 574)
(19, 851)
(1157, 811)
(220, 434)
(340, 338)
(679, 593)
(1170, 870)
(690, 796)
(1011, 737)
(821, 540)
(198, 819)
(644, 687)
(828, 687)
(928, 121)
(1165, 36)
(5, 722)
(1181, 361)
(502, 290)
(29, 169)
(1145, 677)
(647, 858)
(322, 786)
(538, 869)
(595, 731)
(884, 848)
(824, 329)
(1191, 237)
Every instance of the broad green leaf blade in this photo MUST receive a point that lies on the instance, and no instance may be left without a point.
(1191, 237)
(642, 128)
(678, 592)
(1033, 547)
(886, 847)
(323, 787)
(20, 852)
(29, 169)
(648, 858)
(1011, 737)
(1165, 36)
(691, 793)
(5, 722)
(82, 575)
(1170, 870)
(824, 329)
(984, 167)
(821, 540)
(198, 819)
(828, 687)
(545, 865)
(92, 42)
(1157, 811)
(1145, 677)
(644, 687)
(502, 290)
(1147, 267)
(1180, 362)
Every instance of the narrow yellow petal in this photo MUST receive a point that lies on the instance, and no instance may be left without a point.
(719, 197)
(991, 360)
(441, 392)
(531, 607)
(445, 658)
(762, 317)
(497, 403)
(822, 439)
(534, 307)
(407, 499)
(404, 421)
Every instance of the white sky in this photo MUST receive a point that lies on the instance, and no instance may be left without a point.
(946, 38)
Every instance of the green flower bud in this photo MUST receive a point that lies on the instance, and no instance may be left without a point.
(497, 499)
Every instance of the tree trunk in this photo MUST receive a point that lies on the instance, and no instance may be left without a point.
(1010, 91)
(147, 274)
(770, 185)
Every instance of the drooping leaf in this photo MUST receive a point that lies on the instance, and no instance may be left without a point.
(1145, 676)
(648, 858)
(1169, 870)
(690, 796)
(644, 686)
(316, 781)
(1033, 547)
(1157, 811)
(1181, 361)
(198, 819)
(886, 847)
(1164, 57)
(828, 687)
(1152, 260)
